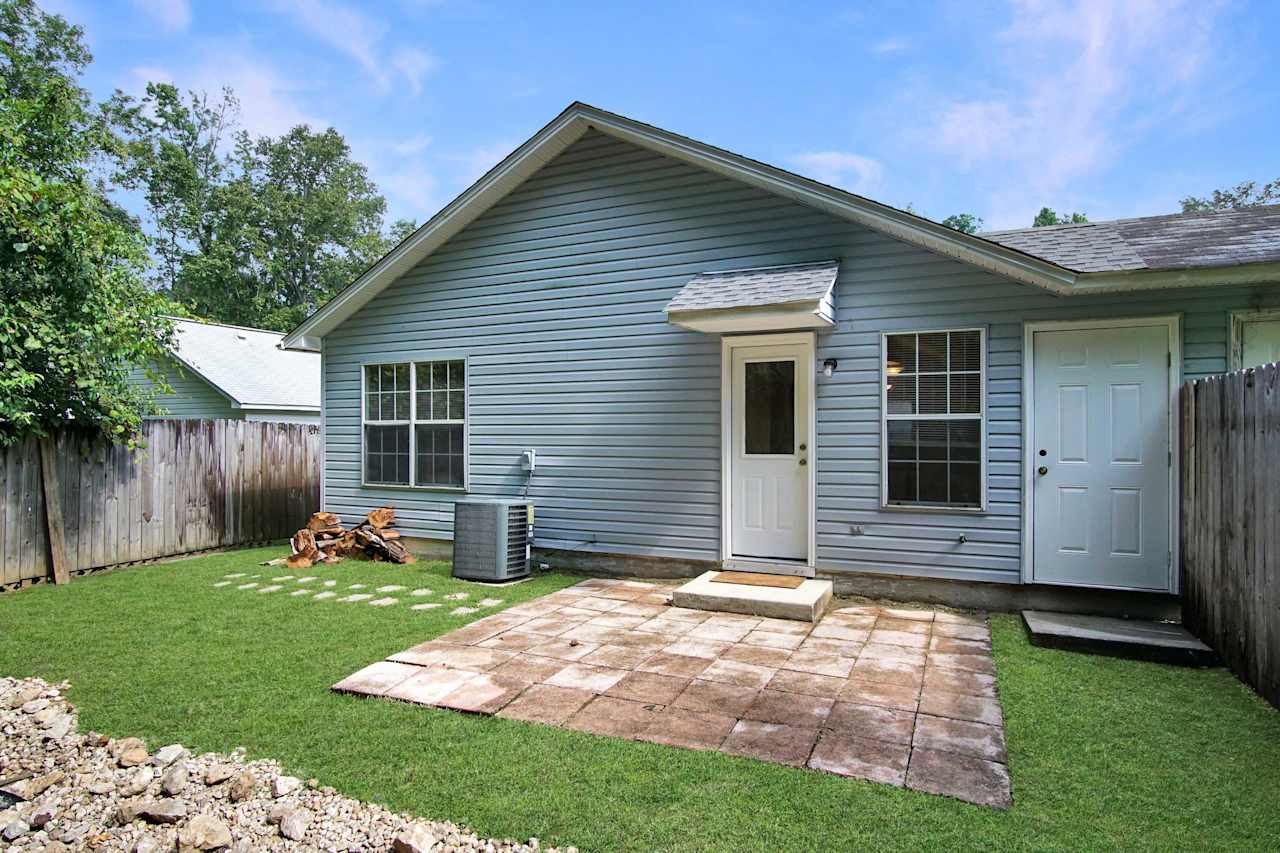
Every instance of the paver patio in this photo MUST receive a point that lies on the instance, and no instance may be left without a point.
(897, 696)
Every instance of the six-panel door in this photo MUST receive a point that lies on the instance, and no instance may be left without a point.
(1101, 458)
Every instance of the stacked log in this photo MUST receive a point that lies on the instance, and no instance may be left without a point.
(325, 540)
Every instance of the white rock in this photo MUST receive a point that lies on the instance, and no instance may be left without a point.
(175, 781)
(283, 786)
(14, 830)
(166, 755)
(203, 832)
(293, 825)
(138, 781)
(414, 838)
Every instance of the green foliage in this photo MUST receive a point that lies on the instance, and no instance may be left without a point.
(1047, 216)
(252, 231)
(969, 223)
(75, 314)
(1245, 194)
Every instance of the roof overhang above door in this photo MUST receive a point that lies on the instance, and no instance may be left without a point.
(763, 299)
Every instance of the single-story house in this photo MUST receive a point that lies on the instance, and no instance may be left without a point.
(219, 371)
(719, 362)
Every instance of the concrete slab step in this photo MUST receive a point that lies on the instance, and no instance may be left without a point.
(1162, 642)
(805, 603)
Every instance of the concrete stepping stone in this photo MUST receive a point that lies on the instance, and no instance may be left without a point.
(384, 602)
(463, 611)
(270, 588)
(490, 602)
(357, 586)
(298, 592)
(358, 596)
(457, 596)
(421, 592)
(323, 595)
(249, 585)
(391, 587)
(424, 607)
(285, 578)
(330, 583)
(307, 579)
(234, 575)
(223, 583)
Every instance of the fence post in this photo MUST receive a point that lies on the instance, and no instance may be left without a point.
(53, 511)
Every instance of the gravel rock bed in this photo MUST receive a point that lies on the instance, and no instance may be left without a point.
(62, 790)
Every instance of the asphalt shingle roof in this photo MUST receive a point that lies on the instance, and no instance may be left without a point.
(756, 287)
(1176, 241)
(249, 365)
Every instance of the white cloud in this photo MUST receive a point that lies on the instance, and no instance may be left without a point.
(270, 102)
(1084, 78)
(172, 16)
(414, 64)
(890, 45)
(362, 38)
(842, 169)
(413, 145)
(474, 163)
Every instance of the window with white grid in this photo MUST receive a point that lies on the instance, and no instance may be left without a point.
(415, 424)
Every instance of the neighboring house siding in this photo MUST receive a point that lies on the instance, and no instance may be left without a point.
(192, 396)
(556, 296)
(282, 416)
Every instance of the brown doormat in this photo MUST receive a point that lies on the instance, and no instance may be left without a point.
(759, 579)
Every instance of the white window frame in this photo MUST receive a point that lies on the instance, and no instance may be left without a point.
(413, 422)
(1237, 321)
(980, 417)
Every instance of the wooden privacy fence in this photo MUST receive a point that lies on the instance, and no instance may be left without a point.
(196, 485)
(1231, 521)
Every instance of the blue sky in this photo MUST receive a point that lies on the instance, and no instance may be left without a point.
(1109, 107)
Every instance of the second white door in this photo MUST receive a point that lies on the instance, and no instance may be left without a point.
(771, 456)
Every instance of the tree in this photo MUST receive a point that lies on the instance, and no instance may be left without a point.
(75, 314)
(253, 231)
(969, 223)
(1047, 216)
(1246, 194)
(319, 221)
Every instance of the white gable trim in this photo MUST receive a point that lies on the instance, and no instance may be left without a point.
(570, 125)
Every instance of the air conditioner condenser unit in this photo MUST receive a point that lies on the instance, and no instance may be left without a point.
(491, 539)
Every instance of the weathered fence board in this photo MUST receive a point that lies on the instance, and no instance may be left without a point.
(196, 485)
(1231, 520)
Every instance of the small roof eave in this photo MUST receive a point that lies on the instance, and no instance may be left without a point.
(810, 314)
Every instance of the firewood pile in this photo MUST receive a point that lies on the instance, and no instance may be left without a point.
(325, 540)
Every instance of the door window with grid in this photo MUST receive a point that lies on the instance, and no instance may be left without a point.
(933, 419)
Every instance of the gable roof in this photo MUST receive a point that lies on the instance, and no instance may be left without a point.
(248, 365)
(1010, 261)
(1175, 241)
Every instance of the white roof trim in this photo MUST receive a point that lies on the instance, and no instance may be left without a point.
(570, 125)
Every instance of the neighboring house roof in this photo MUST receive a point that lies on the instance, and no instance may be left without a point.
(1012, 262)
(756, 287)
(1176, 241)
(249, 366)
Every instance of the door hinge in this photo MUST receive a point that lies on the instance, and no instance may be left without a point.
(1168, 358)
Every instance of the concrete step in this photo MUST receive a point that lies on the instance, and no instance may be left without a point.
(805, 603)
(1162, 642)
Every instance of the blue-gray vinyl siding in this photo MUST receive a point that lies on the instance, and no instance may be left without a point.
(555, 296)
(192, 396)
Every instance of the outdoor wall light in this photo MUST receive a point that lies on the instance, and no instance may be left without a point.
(829, 366)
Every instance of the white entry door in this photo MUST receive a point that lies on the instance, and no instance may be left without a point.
(770, 456)
(1101, 456)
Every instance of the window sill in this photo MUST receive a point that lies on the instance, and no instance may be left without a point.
(406, 488)
(944, 510)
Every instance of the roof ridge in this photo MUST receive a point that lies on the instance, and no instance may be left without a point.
(225, 325)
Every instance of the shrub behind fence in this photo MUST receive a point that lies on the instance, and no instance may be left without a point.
(196, 485)
(1231, 521)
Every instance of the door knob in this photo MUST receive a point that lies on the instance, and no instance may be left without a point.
(1042, 470)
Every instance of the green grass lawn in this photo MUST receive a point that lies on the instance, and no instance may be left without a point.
(1104, 753)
